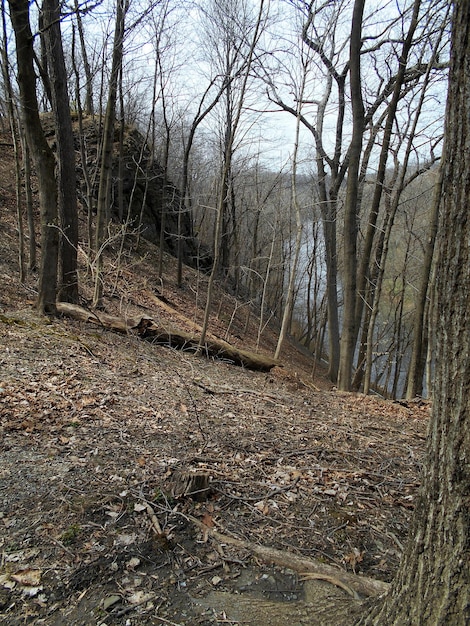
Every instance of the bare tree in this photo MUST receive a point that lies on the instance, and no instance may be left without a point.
(226, 165)
(102, 209)
(88, 107)
(393, 78)
(41, 154)
(289, 297)
(402, 177)
(66, 177)
(15, 135)
(350, 224)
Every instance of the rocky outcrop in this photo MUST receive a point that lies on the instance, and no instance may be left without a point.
(148, 197)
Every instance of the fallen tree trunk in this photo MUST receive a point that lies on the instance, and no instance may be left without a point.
(147, 329)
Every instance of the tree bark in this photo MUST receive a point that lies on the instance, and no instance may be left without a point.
(67, 187)
(89, 109)
(433, 582)
(42, 156)
(14, 123)
(290, 293)
(146, 328)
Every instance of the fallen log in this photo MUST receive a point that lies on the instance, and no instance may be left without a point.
(111, 322)
(147, 329)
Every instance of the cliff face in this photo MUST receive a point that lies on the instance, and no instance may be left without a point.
(148, 198)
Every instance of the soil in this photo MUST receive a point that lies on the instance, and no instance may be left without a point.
(103, 437)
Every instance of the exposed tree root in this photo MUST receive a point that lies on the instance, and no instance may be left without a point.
(353, 584)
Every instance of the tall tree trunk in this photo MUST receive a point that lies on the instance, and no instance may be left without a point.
(89, 109)
(185, 202)
(417, 362)
(42, 156)
(29, 203)
(227, 181)
(290, 296)
(433, 582)
(83, 156)
(102, 208)
(363, 272)
(13, 122)
(67, 186)
(348, 332)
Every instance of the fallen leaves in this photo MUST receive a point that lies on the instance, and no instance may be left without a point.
(28, 579)
(353, 558)
(95, 446)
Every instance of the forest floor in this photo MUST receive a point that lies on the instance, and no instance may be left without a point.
(102, 434)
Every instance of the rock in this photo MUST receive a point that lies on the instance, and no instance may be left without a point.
(147, 194)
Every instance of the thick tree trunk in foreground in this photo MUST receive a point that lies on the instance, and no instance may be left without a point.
(42, 156)
(433, 583)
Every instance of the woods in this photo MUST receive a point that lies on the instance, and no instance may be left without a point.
(294, 118)
(301, 162)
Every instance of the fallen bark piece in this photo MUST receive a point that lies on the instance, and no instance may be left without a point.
(147, 329)
(361, 585)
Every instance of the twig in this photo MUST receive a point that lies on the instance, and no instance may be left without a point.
(272, 493)
(61, 545)
(131, 607)
(153, 518)
(237, 391)
(193, 402)
(165, 621)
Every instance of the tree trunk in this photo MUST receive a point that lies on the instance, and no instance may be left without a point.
(29, 203)
(185, 204)
(42, 156)
(433, 582)
(348, 333)
(88, 201)
(290, 295)
(331, 259)
(13, 122)
(67, 187)
(102, 209)
(89, 109)
(371, 230)
(417, 363)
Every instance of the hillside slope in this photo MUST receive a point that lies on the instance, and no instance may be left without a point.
(104, 438)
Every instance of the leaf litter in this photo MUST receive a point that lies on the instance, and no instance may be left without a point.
(99, 446)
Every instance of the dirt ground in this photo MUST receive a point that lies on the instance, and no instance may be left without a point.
(104, 438)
